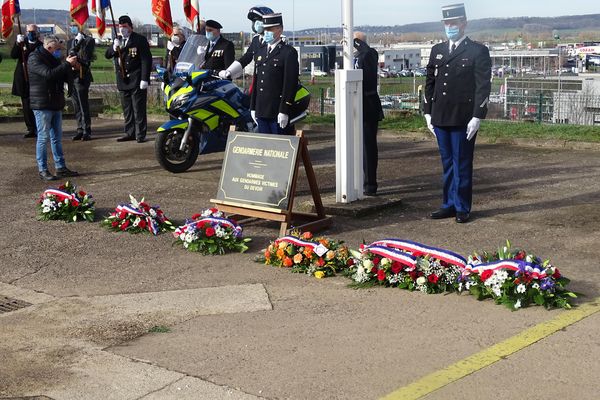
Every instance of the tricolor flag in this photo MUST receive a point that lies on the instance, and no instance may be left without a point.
(100, 11)
(190, 9)
(10, 9)
(161, 9)
(79, 12)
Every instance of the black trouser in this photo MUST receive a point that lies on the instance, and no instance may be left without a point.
(134, 110)
(80, 96)
(370, 155)
(28, 115)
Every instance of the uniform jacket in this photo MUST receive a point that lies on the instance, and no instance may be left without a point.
(276, 77)
(47, 77)
(137, 62)
(367, 60)
(254, 47)
(172, 56)
(84, 50)
(458, 85)
(221, 56)
(20, 85)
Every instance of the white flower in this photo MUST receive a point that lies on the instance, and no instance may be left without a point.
(361, 275)
(385, 261)
(206, 213)
(368, 264)
(517, 304)
(186, 245)
(535, 285)
(529, 258)
(218, 214)
(46, 210)
(152, 213)
(421, 280)
(521, 288)
(136, 222)
(460, 286)
(496, 290)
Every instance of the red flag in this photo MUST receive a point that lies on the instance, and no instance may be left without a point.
(99, 8)
(190, 9)
(79, 12)
(10, 9)
(161, 9)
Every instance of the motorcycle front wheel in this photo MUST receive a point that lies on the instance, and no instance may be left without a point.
(168, 153)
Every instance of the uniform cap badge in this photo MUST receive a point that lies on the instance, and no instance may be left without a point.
(439, 56)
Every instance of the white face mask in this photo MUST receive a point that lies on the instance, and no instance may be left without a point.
(176, 40)
(124, 32)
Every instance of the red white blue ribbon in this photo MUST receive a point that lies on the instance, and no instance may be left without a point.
(130, 210)
(150, 222)
(535, 271)
(403, 258)
(298, 242)
(62, 195)
(210, 220)
(418, 250)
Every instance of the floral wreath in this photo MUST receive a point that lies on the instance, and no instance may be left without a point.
(138, 217)
(66, 203)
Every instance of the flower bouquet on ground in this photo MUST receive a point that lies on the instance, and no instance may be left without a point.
(304, 253)
(516, 279)
(407, 265)
(66, 203)
(211, 233)
(137, 217)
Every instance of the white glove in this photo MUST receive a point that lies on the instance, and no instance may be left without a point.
(116, 44)
(79, 37)
(253, 115)
(473, 127)
(143, 85)
(224, 74)
(170, 45)
(235, 70)
(20, 39)
(201, 50)
(282, 120)
(429, 125)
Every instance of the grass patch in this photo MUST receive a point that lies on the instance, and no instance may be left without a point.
(159, 329)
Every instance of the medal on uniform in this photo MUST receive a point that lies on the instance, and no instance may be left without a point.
(259, 58)
(436, 72)
(439, 56)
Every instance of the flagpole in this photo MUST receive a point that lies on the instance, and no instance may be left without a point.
(114, 29)
(23, 49)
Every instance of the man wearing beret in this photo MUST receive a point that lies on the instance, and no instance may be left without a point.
(457, 91)
(276, 77)
(220, 52)
(134, 62)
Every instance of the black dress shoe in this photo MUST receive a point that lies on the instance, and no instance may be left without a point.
(443, 213)
(125, 139)
(462, 218)
(370, 193)
(66, 172)
(86, 138)
(29, 135)
(79, 136)
(45, 175)
(141, 140)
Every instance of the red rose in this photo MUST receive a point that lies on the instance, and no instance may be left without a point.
(82, 193)
(376, 261)
(124, 225)
(142, 224)
(320, 262)
(413, 275)
(350, 262)
(214, 210)
(115, 224)
(210, 232)
(396, 267)
(433, 278)
(122, 215)
(196, 216)
(520, 255)
(362, 247)
(381, 275)
(556, 274)
(485, 275)
(374, 270)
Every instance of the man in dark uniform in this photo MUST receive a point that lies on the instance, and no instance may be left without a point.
(82, 46)
(457, 92)
(367, 59)
(23, 47)
(255, 15)
(133, 76)
(220, 52)
(276, 77)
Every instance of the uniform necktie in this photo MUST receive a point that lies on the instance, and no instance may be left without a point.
(452, 48)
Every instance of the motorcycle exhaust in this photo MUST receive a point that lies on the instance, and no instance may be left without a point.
(186, 134)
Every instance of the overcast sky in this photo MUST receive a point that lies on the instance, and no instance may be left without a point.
(303, 14)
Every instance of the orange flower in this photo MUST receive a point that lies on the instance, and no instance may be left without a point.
(287, 262)
(280, 254)
(330, 254)
(267, 254)
(324, 242)
(308, 252)
(298, 258)
(307, 235)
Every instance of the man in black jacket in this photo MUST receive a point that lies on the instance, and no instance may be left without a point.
(367, 59)
(220, 52)
(47, 76)
(82, 46)
(134, 62)
(276, 77)
(24, 45)
(457, 91)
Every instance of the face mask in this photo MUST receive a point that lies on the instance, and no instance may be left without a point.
(74, 30)
(269, 37)
(452, 32)
(259, 27)
(176, 40)
(32, 36)
(210, 36)
(56, 53)
(124, 32)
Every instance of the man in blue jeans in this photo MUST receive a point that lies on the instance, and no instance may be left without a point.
(47, 76)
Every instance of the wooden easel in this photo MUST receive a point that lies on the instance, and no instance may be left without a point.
(312, 222)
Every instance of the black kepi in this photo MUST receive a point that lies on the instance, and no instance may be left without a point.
(454, 11)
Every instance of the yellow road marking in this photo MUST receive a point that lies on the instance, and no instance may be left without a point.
(489, 356)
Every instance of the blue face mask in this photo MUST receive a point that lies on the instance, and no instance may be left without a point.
(452, 32)
(258, 27)
(210, 36)
(32, 36)
(74, 30)
(56, 53)
(269, 37)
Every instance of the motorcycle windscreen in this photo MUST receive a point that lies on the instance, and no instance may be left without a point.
(192, 55)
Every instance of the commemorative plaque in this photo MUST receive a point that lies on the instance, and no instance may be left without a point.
(259, 169)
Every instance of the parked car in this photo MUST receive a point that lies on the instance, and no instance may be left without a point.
(319, 73)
